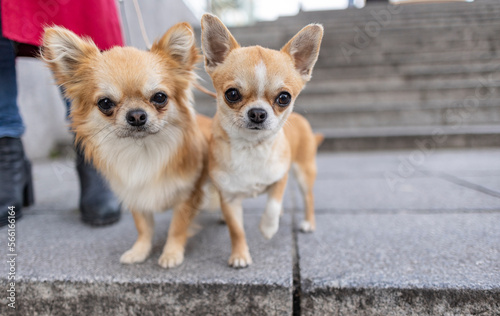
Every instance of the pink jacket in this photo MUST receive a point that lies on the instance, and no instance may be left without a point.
(23, 20)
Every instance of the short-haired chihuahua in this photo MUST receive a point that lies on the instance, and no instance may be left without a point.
(256, 136)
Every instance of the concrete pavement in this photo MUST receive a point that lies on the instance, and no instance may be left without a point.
(399, 233)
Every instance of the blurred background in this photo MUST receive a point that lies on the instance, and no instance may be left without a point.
(389, 73)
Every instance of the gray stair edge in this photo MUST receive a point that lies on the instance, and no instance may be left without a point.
(421, 138)
(102, 298)
(394, 301)
(395, 131)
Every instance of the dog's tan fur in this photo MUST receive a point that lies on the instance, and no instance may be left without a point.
(245, 162)
(153, 169)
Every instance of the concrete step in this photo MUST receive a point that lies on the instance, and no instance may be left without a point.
(401, 265)
(67, 268)
(399, 47)
(390, 240)
(431, 70)
(439, 45)
(353, 100)
(430, 253)
(409, 137)
(344, 31)
(413, 58)
(393, 84)
(342, 20)
(401, 21)
(478, 8)
(339, 25)
(404, 39)
(389, 43)
(381, 118)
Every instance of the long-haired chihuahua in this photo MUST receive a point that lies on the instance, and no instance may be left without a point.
(132, 114)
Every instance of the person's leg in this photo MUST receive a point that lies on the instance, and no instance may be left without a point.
(98, 204)
(11, 123)
(16, 189)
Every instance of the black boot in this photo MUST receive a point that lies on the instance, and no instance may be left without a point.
(16, 185)
(98, 204)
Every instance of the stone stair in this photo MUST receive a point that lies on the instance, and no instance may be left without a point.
(390, 240)
(428, 67)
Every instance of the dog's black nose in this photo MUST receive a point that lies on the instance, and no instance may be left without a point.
(137, 117)
(257, 115)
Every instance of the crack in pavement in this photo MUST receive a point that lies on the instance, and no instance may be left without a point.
(464, 183)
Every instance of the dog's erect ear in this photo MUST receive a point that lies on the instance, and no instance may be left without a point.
(216, 41)
(179, 43)
(64, 52)
(304, 49)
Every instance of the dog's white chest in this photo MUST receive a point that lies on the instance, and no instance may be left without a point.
(249, 171)
(138, 177)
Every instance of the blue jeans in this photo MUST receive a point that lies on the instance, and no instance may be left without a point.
(11, 123)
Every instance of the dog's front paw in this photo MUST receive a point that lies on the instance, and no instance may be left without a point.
(171, 260)
(307, 227)
(135, 255)
(268, 227)
(240, 260)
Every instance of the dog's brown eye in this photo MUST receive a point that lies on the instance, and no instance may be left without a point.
(233, 95)
(284, 99)
(159, 99)
(105, 105)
